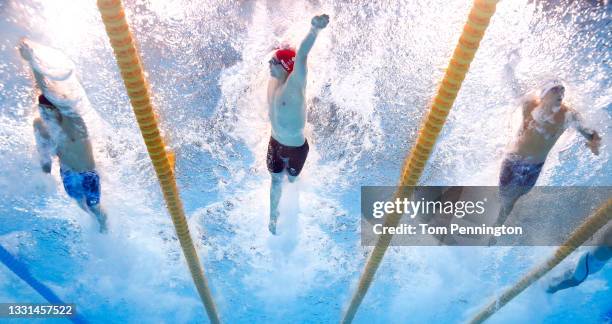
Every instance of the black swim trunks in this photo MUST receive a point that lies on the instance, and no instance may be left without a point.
(282, 157)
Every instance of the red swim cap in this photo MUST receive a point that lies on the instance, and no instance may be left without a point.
(287, 57)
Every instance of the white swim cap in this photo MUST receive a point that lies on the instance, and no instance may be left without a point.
(549, 85)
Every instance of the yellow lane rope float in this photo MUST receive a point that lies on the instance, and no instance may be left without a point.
(592, 224)
(473, 32)
(132, 72)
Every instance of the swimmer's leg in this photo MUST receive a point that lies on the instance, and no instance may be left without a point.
(516, 179)
(83, 204)
(507, 205)
(508, 200)
(291, 178)
(100, 214)
(589, 263)
(95, 211)
(275, 195)
(91, 189)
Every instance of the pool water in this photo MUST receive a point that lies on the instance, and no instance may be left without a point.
(372, 73)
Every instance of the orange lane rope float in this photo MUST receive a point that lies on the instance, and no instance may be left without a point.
(133, 75)
(473, 32)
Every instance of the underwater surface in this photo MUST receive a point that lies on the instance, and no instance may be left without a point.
(372, 73)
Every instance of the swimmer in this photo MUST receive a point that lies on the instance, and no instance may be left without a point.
(61, 131)
(288, 147)
(590, 262)
(545, 118)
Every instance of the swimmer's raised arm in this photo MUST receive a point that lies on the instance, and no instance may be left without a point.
(43, 145)
(575, 120)
(528, 100)
(510, 75)
(528, 103)
(299, 69)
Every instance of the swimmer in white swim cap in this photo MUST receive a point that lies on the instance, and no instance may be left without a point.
(545, 118)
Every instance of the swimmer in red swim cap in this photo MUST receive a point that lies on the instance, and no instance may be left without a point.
(288, 148)
(285, 57)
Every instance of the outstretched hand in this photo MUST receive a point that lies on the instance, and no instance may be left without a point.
(320, 22)
(514, 57)
(594, 143)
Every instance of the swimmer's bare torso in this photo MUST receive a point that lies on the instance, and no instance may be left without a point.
(287, 111)
(69, 138)
(545, 118)
(540, 129)
(286, 89)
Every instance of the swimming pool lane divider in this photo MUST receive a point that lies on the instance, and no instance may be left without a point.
(132, 72)
(473, 32)
(597, 220)
(21, 271)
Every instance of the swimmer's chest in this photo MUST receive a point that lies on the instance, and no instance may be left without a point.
(552, 126)
(287, 105)
(73, 132)
(71, 140)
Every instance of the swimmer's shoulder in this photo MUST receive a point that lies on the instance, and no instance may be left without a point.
(296, 82)
(568, 113)
(567, 109)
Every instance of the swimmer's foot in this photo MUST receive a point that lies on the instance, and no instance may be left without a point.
(571, 277)
(101, 217)
(272, 224)
(564, 281)
(272, 227)
(103, 228)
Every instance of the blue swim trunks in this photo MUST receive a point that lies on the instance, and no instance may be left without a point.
(81, 185)
(518, 175)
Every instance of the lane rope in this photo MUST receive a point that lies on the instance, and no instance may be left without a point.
(134, 78)
(473, 32)
(597, 220)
